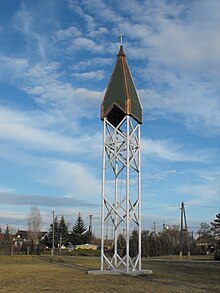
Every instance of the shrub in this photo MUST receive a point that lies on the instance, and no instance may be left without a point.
(85, 252)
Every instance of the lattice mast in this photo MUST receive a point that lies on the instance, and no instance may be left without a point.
(121, 112)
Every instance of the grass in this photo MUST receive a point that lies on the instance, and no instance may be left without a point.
(69, 274)
(188, 275)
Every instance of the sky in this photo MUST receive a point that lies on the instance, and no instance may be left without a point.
(56, 61)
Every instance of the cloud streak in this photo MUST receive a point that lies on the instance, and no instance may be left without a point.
(25, 130)
(43, 200)
(171, 151)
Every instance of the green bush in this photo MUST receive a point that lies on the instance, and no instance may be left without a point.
(84, 252)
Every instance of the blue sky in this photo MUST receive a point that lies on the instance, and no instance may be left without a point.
(56, 60)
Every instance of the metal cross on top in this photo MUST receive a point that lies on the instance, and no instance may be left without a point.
(121, 38)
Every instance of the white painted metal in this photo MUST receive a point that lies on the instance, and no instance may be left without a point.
(121, 199)
(103, 198)
(139, 196)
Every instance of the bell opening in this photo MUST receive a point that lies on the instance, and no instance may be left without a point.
(115, 116)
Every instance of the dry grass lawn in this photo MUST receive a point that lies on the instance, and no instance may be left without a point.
(69, 274)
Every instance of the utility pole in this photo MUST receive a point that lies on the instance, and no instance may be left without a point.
(60, 244)
(155, 229)
(90, 223)
(52, 250)
(183, 227)
(164, 226)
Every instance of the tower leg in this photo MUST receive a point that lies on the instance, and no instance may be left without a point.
(121, 155)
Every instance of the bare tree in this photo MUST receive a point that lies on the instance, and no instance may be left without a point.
(12, 229)
(34, 225)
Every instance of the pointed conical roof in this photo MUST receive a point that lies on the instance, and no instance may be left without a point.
(121, 97)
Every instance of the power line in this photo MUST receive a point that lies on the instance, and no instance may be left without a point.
(178, 205)
(161, 207)
(201, 206)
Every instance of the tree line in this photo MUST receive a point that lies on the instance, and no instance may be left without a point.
(165, 242)
(79, 234)
(58, 234)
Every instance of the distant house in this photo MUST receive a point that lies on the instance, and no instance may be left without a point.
(205, 244)
(22, 237)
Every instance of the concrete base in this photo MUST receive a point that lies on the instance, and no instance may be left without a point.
(120, 273)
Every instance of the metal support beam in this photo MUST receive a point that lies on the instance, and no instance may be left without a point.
(121, 197)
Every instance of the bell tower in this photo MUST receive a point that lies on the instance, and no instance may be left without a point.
(121, 113)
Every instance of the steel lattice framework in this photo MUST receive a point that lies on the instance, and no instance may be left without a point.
(121, 196)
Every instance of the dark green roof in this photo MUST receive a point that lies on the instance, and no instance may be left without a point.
(121, 97)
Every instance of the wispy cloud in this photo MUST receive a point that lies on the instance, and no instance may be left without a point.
(195, 103)
(204, 190)
(27, 142)
(68, 33)
(43, 82)
(159, 175)
(23, 21)
(92, 63)
(87, 44)
(21, 128)
(91, 75)
(172, 151)
(42, 200)
(79, 180)
(12, 68)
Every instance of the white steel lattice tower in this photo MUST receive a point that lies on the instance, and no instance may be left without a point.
(121, 113)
